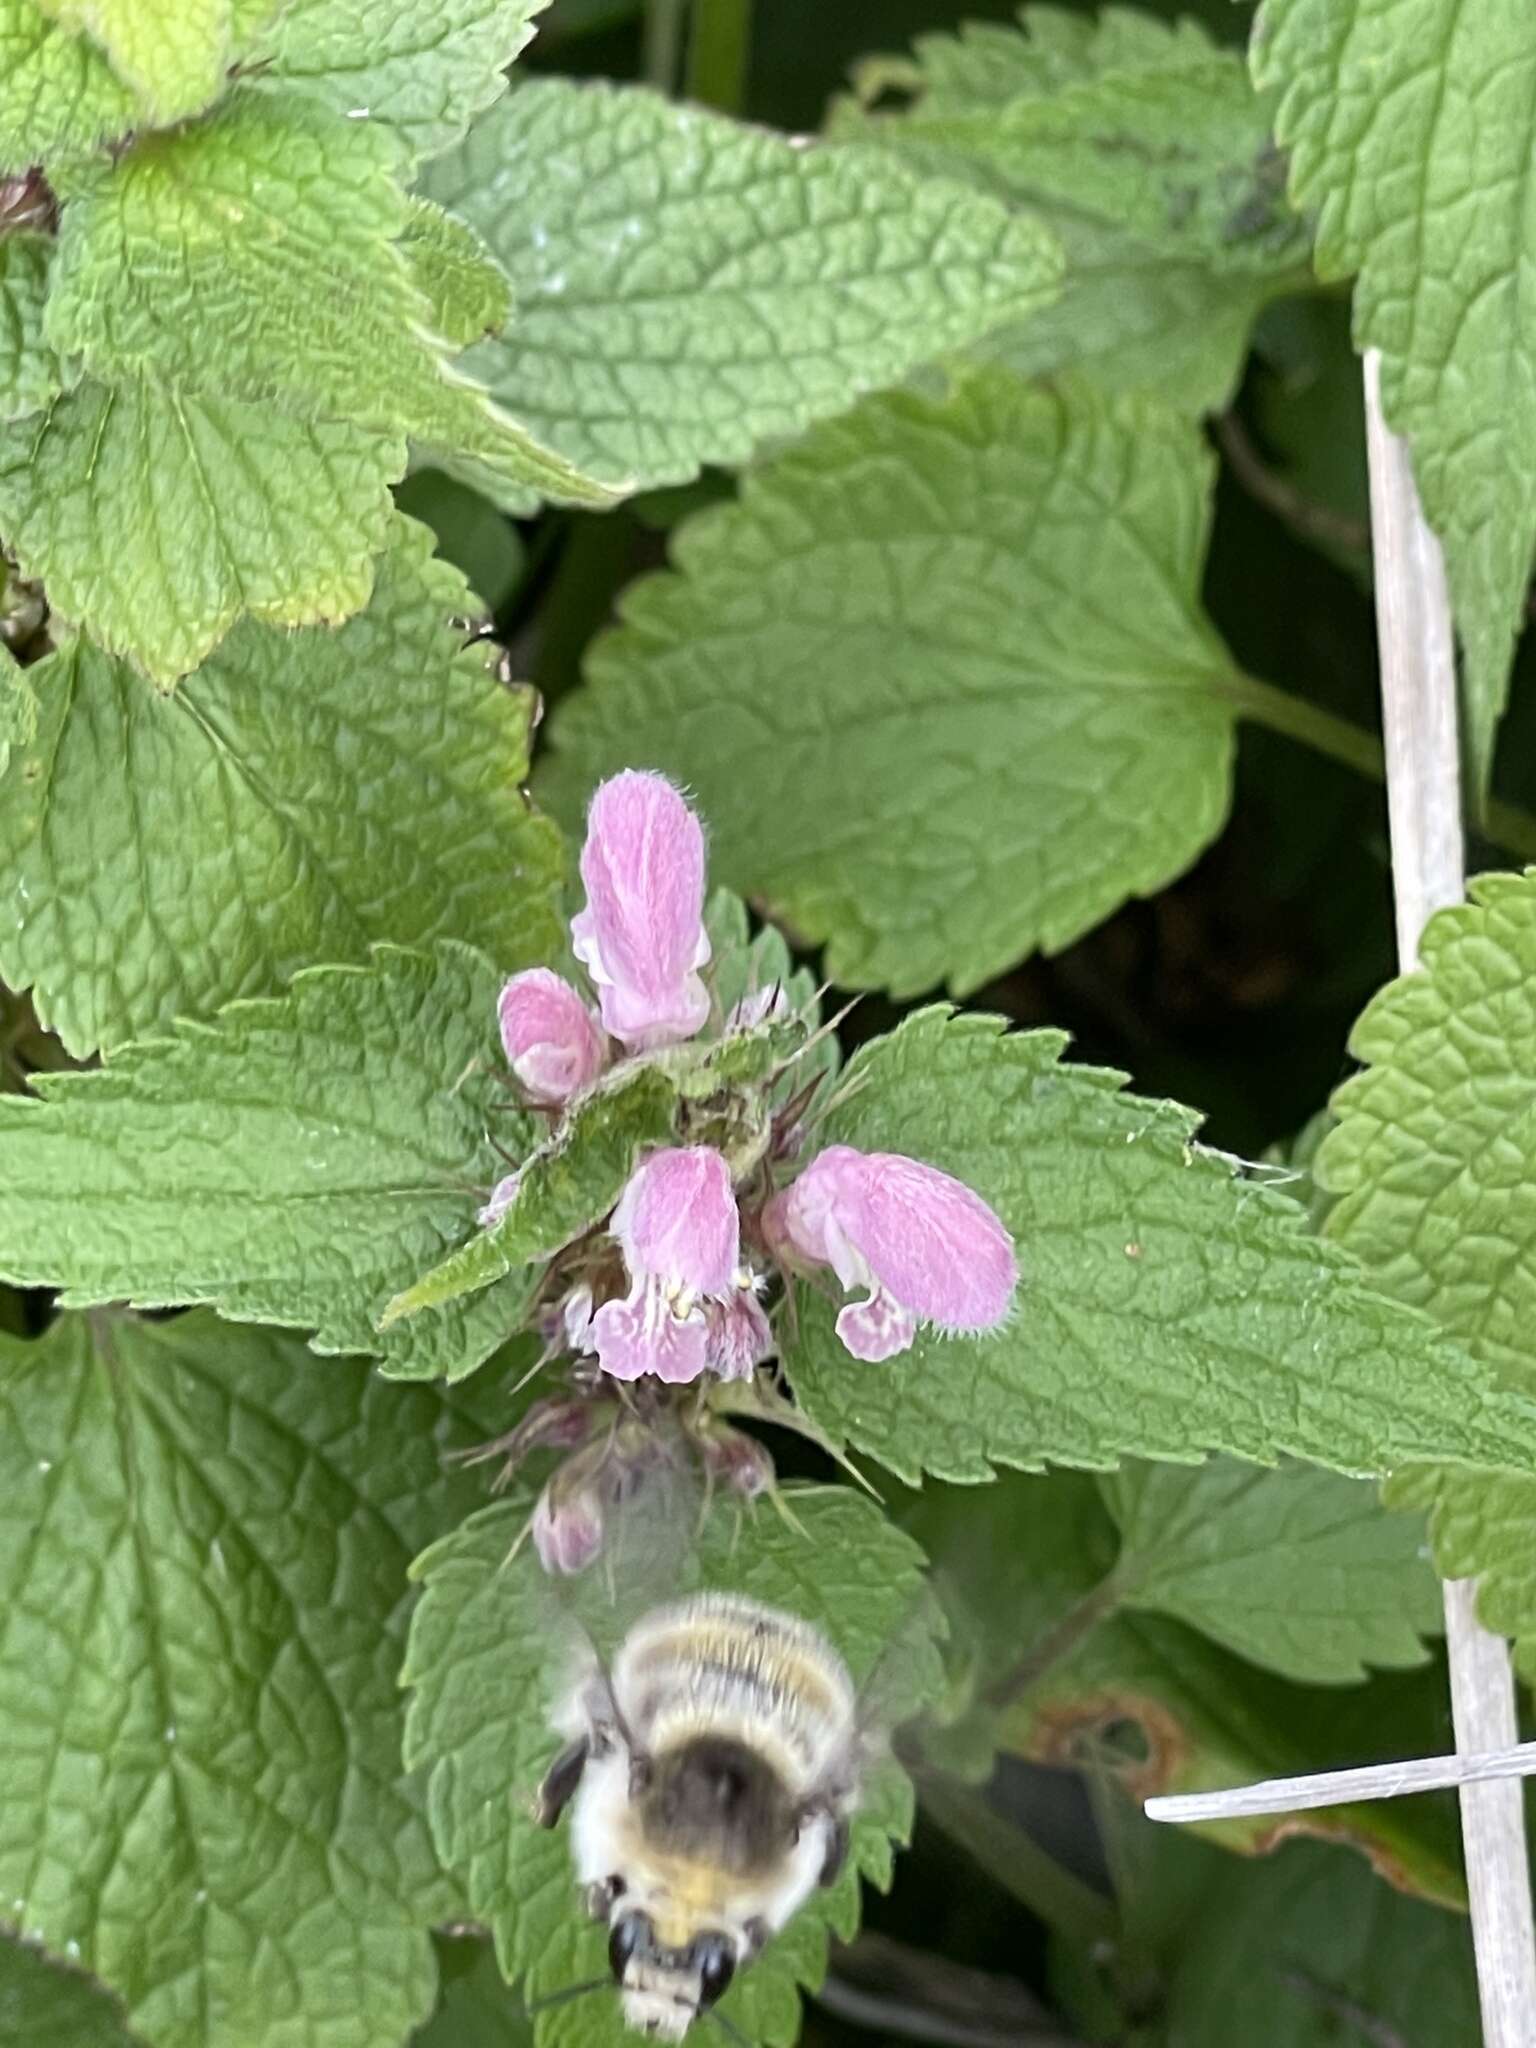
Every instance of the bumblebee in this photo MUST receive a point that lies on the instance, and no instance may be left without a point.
(712, 1772)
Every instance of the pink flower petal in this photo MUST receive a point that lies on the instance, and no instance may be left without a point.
(551, 1038)
(876, 1328)
(641, 935)
(642, 1334)
(740, 1335)
(934, 1245)
(804, 1218)
(677, 1218)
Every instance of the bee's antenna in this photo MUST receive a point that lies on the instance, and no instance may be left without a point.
(565, 1997)
(729, 2028)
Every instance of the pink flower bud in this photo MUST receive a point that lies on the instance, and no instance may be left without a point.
(740, 1336)
(767, 1005)
(551, 1038)
(502, 1196)
(677, 1226)
(567, 1529)
(641, 936)
(738, 1461)
(926, 1248)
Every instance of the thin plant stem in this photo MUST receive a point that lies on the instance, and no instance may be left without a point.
(1074, 1627)
(1316, 523)
(1015, 1860)
(1351, 745)
(663, 43)
(719, 45)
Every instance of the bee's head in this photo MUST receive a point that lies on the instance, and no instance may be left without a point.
(663, 1990)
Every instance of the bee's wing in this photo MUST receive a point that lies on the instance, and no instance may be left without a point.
(648, 1558)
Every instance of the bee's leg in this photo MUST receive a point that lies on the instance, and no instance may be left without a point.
(823, 1807)
(560, 1781)
(602, 1894)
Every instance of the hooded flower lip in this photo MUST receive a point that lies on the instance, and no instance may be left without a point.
(677, 1225)
(925, 1246)
(641, 936)
(552, 1041)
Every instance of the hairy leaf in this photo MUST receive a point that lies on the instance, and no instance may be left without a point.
(1063, 1674)
(30, 372)
(18, 707)
(475, 2007)
(249, 863)
(157, 517)
(466, 287)
(252, 255)
(941, 678)
(1299, 1570)
(205, 1537)
(1148, 153)
(1168, 1304)
(563, 1189)
(57, 90)
(478, 1663)
(423, 68)
(1430, 1161)
(286, 1164)
(171, 52)
(1306, 1948)
(1410, 126)
(42, 2006)
(687, 287)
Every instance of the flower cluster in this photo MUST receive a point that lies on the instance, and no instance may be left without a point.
(915, 1243)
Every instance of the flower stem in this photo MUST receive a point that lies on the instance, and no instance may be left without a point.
(1074, 1627)
(663, 41)
(718, 48)
(1341, 740)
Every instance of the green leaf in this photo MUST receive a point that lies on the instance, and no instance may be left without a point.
(1030, 1560)
(157, 517)
(30, 372)
(1308, 1948)
(470, 533)
(423, 68)
(205, 1539)
(252, 256)
(1395, 112)
(564, 1188)
(58, 93)
(940, 679)
(1298, 1570)
(116, 898)
(1429, 1161)
(1145, 149)
(1169, 1303)
(467, 289)
(475, 2009)
(477, 1723)
(171, 52)
(42, 2006)
(18, 707)
(687, 287)
(289, 1163)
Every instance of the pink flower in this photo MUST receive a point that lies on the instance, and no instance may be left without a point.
(677, 1224)
(926, 1248)
(641, 936)
(740, 1336)
(551, 1038)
